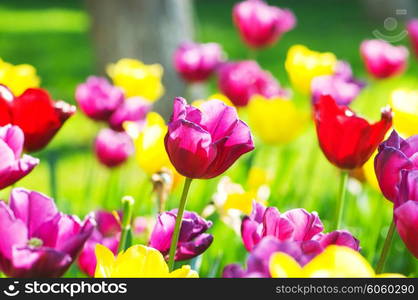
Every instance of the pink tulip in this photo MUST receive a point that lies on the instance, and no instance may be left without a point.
(382, 60)
(12, 166)
(97, 98)
(113, 148)
(37, 240)
(260, 24)
(197, 62)
(413, 35)
(239, 81)
(205, 142)
(295, 225)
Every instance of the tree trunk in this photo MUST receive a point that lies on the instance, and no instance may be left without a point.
(148, 30)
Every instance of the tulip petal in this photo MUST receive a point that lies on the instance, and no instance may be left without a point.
(406, 218)
(218, 119)
(306, 225)
(337, 261)
(32, 208)
(39, 262)
(105, 262)
(230, 149)
(283, 265)
(194, 247)
(13, 232)
(189, 148)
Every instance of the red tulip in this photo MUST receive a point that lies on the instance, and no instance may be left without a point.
(347, 140)
(35, 113)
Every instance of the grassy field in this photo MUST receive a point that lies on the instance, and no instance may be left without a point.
(53, 36)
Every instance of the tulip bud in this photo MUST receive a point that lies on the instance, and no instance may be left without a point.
(260, 24)
(193, 240)
(382, 60)
(197, 62)
(240, 81)
(113, 148)
(97, 98)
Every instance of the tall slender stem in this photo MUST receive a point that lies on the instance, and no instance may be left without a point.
(52, 166)
(386, 248)
(127, 203)
(341, 199)
(179, 218)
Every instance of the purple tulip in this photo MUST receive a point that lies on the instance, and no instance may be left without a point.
(107, 233)
(258, 260)
(193, 240)
(394, 155)
(205, 142)
(382, 60)
(13, 167)
(36, 239)
(260, 24)
(133, 109)
(97, 98)
(197, 62)
(239, 81)
(113, 148)
(413, 34)
(295, 225)
(343, 90)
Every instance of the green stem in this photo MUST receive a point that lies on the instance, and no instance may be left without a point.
(179, 218)
(341, 199)
(386, 248)
(127, 203)
(52, 166)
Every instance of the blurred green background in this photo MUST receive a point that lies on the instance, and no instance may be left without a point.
(54, 37)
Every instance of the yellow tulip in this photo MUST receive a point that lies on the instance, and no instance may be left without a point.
(136, 262)
(222, 97)
(137, 78)
(276, 120)
(302, 65)
(232, 201)
(18, 78)
(404, 104)
(149, 143)
(334, 261)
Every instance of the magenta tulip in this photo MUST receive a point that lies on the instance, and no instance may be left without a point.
(36, 239)
(295, 225)
(113, 148)
(13, 166)
(193, 239)
(205, 142)
(239, 81)
(197, 62)
(413, 34)
(107, 233)
(260, 24)
(382, 60)
(395, 154)
(133, 109)
(97, 98)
